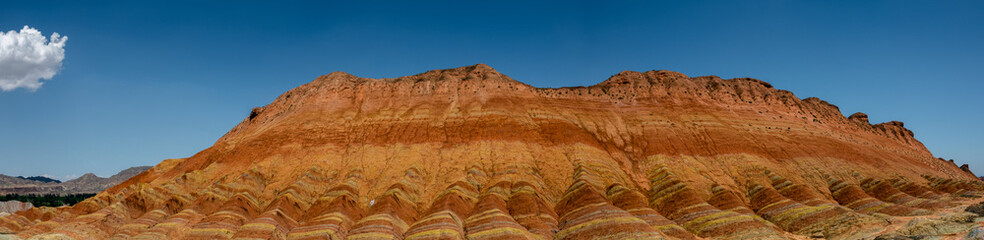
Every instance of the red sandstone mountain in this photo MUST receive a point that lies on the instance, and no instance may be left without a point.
(471, 153)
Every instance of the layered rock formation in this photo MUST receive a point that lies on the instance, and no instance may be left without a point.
(14, 206)
(471, 153)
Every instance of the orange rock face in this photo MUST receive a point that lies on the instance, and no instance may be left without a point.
(469, 153)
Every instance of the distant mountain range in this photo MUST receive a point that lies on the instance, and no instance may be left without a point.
(40, 178)
(88, 183)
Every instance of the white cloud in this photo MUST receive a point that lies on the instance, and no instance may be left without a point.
(26, 57)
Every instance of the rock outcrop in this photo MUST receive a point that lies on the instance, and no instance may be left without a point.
(13, 206)
(469, 153)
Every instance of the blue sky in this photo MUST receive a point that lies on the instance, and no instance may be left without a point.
(144, 81)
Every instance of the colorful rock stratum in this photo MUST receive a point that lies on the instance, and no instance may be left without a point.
(469, 153)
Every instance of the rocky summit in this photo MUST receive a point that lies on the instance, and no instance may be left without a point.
(469, 153)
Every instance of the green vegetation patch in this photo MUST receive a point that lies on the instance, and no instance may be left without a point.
(48, 200)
